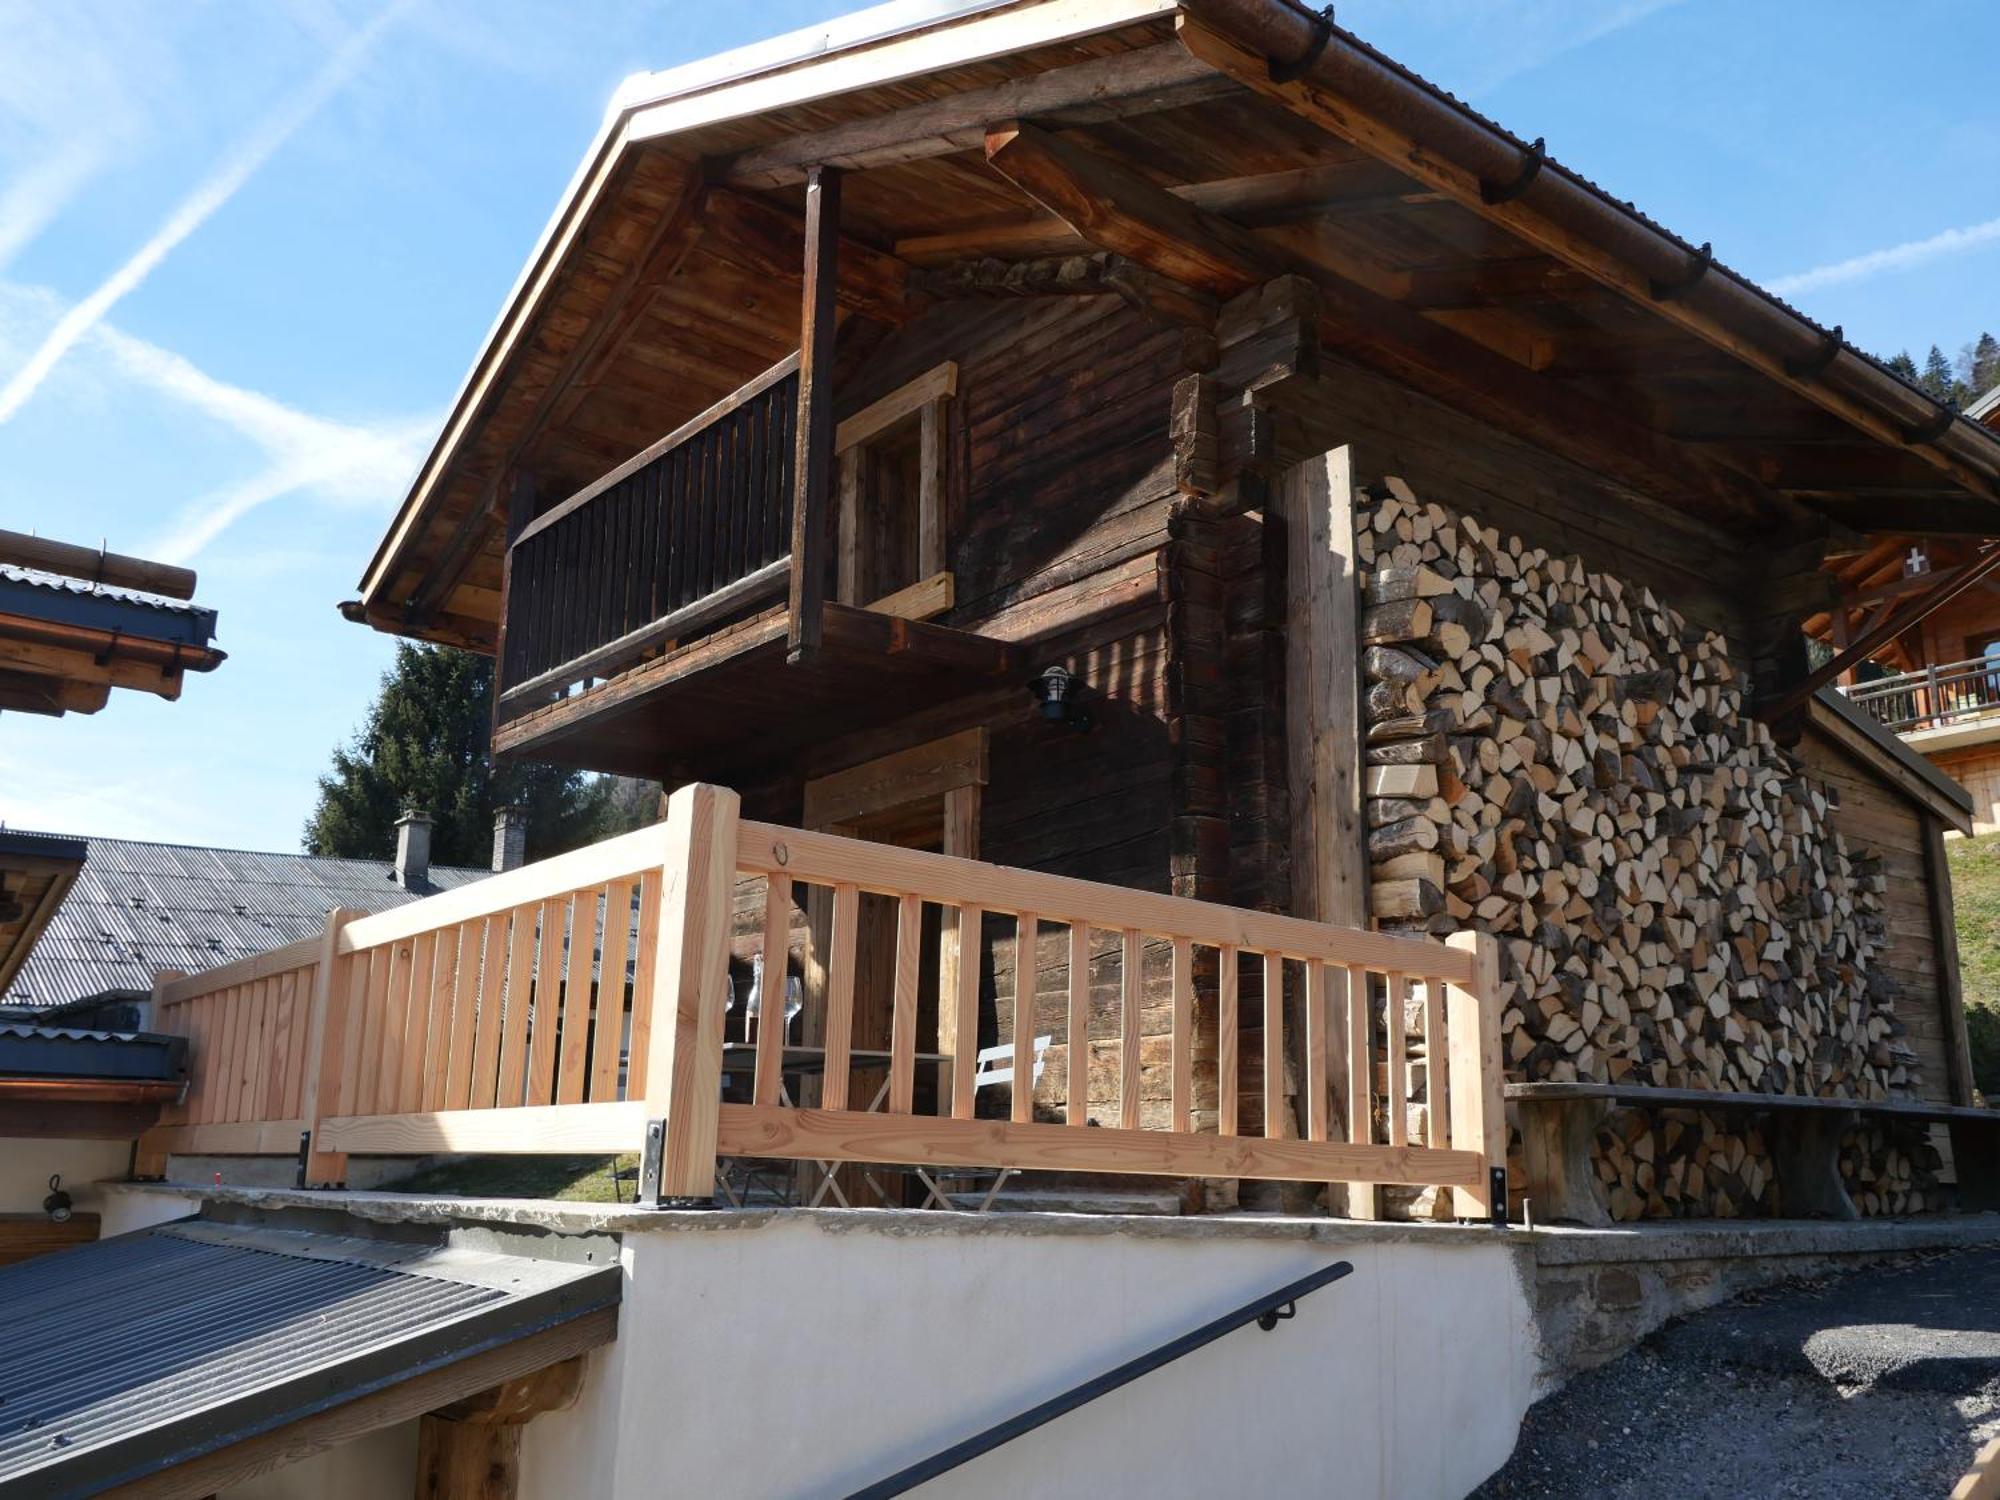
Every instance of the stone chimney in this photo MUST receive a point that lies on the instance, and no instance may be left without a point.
(510, 838)
(413, 850)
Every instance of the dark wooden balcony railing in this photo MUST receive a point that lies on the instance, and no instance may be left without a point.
(1933, 697)
(695, 529)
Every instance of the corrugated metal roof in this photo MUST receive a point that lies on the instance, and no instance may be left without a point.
(137, 908)
(49, 596)
(138, 1353)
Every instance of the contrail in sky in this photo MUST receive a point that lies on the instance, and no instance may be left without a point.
(1895, 258)
(221, 185)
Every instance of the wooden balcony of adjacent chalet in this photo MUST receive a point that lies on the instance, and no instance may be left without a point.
(1939, 706)
(664, 614)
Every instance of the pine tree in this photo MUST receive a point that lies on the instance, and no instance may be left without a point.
(1983, 365)
(1904, 366)
(1938, 377)
(425, 745)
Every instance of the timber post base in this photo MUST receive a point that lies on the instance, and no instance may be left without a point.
(1556, 1139)
(1975, 1156)
(1805, 1152)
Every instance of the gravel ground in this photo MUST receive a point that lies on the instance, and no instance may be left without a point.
(1872, 1384)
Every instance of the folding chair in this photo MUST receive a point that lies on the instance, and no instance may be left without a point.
(992, 1067)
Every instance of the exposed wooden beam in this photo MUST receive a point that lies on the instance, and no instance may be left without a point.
(1529, 278)
(1153, 78)
(38, 659)
(1072, 276)
(1382, 137)
(771, 239)
(30, 693)
(1115, 208)
(95, 565)
(813, 462)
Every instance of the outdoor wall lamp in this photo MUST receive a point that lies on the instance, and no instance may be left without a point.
(57, 1204)
(1058, 690)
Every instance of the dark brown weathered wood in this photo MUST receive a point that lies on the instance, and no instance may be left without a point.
(812, 468)
(1944, 934)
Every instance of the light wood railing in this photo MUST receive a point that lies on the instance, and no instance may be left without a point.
(576, 1004)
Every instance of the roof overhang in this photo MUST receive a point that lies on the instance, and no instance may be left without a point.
(274, 1342)
(1557, 282)
(1892, 761)
(64, 647)
(36, 872)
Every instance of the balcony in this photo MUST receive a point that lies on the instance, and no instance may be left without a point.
(1938, 707)
(655, 617)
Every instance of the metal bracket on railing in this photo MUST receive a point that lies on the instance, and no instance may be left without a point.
(305, 1154)
(652, 1169)
(1272, 1317)
(1496, 1187)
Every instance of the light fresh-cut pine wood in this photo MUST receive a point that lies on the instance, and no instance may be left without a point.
(684, 1072)
(1358, 1050)
(1478, 1120)
(1395, 1101)
(545, 1024)
(492, 1013)
(574, 1044)
(480, 953)
(965, 1011)
(607, 1031)
(1317, 1050)
(1026, 933)
(1077, 1111)
(903, 1008)
(771, 1003)
(1437, 1066)
(507, 1091)
(1226, 1039)
(840, 996)
(643, 966)
(340, 985)
(1131, 997)
(451, 983)
(1182, 1101)
(1274, 1046)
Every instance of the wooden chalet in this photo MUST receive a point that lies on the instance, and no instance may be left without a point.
(1119, 438)
(1931, 607)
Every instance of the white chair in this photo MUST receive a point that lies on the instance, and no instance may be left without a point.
(991, 1067)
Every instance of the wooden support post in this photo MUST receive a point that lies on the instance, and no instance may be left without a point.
(1805, 1155)
(471, 1450)
(813, 465)
(331, 1014)
(1323, 708)
(149, 1159)
(684, 1061)
(1944, 935)
(1556, 1141)
(1472, 1026)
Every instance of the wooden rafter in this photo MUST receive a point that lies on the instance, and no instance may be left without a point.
(1159, 77)
(1110, 205)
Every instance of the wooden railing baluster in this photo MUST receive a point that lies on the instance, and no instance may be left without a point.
(574, 1039)
(513, 1041)
(1182, 1117)
(840, 996)
(1393, 1100)
(1274, 1046)
(607, 1032)
(476, 956)
(903, 1010)
(446, 977)
(1027, 932)
(1226, 1021)
(1130, 998)
(965, 1005)
(1077, 1112)
(768, 1081)
(544, 1022)
(642, 985)
(1318, 1047)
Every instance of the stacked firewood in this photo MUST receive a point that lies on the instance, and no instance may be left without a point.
(1556, 757)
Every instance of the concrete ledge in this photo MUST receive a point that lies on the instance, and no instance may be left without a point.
(1707, 1240)
(611, 1218)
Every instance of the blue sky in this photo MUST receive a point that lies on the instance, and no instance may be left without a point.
(248, 250)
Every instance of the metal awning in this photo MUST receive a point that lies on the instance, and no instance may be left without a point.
(187, 1342)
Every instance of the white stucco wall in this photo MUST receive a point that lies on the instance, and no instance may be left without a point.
(26, 1163)
(810, 1354)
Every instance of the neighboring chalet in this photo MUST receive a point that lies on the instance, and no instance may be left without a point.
(125, 909)
(1935, 680)
(76, 623)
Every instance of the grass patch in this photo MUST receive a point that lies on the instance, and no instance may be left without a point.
(572, 1179)
(1975, 890)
